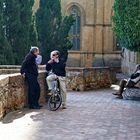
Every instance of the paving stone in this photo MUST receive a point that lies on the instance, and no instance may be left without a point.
(91, 115)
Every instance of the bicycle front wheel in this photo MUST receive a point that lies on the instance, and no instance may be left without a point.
(54, 102)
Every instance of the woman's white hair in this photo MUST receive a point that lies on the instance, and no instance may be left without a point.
(137, 67)
(54, 52)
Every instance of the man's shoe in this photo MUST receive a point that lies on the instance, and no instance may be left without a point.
(34, 107)
(64, 106)
(40, 106)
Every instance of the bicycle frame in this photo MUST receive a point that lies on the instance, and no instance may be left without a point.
(55, 100)
(56, 85)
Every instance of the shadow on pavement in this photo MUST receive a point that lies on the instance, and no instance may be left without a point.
(13, 115)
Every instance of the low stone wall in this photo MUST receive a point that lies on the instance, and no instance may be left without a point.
(10, 69)
(13, 92)
(89, 78)
(13, 88)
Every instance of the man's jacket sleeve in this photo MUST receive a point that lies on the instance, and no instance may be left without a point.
(48, 67)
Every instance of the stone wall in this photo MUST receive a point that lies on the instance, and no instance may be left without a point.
(129, 61)
(9, 69)
(13, 92)
(89, 78)
(97, 41)
(13, 88)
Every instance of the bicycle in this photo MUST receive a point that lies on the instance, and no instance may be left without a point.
(55, 99)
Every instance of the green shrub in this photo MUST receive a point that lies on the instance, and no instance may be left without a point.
(126, 23)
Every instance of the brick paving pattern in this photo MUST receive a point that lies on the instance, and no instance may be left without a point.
(92, 115)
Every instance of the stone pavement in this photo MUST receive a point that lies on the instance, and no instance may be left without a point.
(92, 115)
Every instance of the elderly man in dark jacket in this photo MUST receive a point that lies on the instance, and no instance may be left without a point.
(57, 66)
(29, 71)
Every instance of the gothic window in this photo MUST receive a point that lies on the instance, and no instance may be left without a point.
(75, 29)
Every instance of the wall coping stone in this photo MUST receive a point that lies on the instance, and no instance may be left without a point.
(9, 66)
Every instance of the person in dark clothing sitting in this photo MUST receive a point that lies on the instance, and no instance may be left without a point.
(29, 71)
(57, 66)
(132, 82)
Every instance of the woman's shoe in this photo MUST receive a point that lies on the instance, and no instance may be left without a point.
(120, 97)
(116, 93)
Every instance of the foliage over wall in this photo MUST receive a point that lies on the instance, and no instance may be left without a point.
(126, 21)
(6, 55)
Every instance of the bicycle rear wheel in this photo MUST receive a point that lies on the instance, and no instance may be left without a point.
(54, 102)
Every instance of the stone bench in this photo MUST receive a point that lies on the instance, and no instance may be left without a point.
(131, 94)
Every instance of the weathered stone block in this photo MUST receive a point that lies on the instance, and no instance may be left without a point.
(13, 92)
(88, 78)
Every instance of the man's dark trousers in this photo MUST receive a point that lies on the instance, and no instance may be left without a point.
(33, 90)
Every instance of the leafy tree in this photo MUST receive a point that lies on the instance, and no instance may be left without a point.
(26, 28)
(33, 33)
(63, 36)
(6, 55)
(126, 21)
(18, 22)
(52, 28)
(12, 25)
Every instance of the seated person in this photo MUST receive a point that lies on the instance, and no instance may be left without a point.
(57, 66)
(133, 81)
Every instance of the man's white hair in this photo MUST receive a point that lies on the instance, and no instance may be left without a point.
(33, 49)
(54, 52)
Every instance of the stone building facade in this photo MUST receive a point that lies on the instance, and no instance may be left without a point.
(93, 41)
(129, 61)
